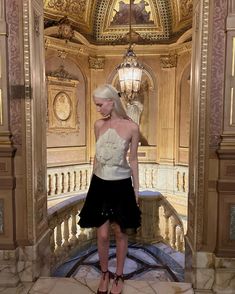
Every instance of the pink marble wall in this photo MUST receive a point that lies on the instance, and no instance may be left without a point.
(217, 71)
(16, 89)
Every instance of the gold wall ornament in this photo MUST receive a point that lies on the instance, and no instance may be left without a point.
(65, 30)
(96, 62)
(61, 73)
(168, 61)
(62, 54)
(62, 105)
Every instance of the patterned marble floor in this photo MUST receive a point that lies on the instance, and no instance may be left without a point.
(148, 269)
(89, 286)
(156, 262)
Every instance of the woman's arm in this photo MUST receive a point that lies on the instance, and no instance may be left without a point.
(97, 126)
(133, 158)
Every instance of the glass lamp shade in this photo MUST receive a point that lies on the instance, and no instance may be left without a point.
(130, 73)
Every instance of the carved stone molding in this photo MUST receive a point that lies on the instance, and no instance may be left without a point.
(217, 72)
(61, 73)
(168, 61)
(96, 62)
(202, 118)
(62, 105)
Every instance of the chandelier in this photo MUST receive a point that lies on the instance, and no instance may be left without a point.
(130, 70)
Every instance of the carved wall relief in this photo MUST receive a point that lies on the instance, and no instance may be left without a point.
(62, 105)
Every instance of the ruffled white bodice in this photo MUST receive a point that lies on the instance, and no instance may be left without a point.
(111, 151)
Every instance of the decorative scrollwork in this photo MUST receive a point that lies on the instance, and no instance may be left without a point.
(168, 61)
(186, 7)
(73, 7)
(96, 62)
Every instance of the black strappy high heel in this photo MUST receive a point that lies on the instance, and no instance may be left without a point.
(116, 279)
(103, 277)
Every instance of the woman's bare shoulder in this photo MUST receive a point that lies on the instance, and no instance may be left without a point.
(132, 125)
(99, 123)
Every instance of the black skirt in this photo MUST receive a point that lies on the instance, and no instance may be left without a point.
(110, 200)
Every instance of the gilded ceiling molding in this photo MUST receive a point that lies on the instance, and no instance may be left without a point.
(80, 13)
(96, 62)
(182, 14)
(168, 61)
(74, 8)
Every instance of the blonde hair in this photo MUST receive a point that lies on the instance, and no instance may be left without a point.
(107, 91)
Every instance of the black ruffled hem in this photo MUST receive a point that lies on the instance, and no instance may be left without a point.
(113, 201)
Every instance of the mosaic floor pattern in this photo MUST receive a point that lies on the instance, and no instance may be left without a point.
(156, 262)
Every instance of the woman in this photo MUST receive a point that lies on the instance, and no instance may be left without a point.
(113, 192)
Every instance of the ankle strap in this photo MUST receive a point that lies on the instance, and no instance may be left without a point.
(118, 277)
(104, 273)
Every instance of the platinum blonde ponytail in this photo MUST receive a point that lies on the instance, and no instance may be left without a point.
(107, 91)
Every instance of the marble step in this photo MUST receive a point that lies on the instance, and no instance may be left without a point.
(89, 286)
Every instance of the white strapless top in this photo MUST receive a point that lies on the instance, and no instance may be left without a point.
(111, 151)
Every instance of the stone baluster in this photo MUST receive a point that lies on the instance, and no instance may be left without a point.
(78, 182)
(82, 236)
(161, 220)
(149, 205)
(84, 179)
(179, 238)
(59, 249)
(52, 241)
(167, 225)
(66, 243)
(66, 180)
(173, 232)
(49, 185)
(72, 183)
(74, 240)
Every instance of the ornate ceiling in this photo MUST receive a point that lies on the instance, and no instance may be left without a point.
(107, 21)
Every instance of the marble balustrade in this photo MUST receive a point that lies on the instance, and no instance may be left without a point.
(73, 179)
(68, 179)
(159, 224)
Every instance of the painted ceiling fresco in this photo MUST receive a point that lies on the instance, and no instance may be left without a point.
(107, 22)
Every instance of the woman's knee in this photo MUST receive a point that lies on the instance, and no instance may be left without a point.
(103, 233)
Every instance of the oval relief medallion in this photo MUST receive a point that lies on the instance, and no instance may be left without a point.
(62, 106)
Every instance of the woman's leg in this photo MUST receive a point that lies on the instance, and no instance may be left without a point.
(103, 251)
(121, 251)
